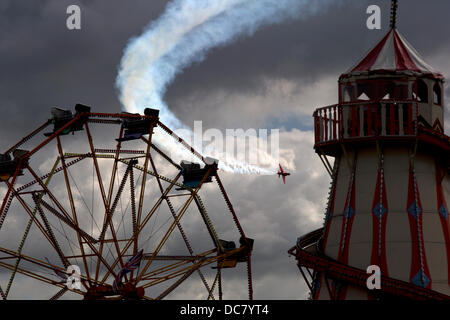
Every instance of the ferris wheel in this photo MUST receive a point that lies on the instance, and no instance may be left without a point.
(95, 209)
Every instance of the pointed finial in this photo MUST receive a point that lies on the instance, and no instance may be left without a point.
(394, 6)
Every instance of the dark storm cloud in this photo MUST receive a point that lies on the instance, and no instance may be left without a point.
(43, 64)
(303, 50)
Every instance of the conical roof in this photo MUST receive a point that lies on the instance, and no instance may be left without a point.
(393, 54)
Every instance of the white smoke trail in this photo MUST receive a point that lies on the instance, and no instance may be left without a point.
(182, 35)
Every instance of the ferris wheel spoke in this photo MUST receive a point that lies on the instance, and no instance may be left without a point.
(141, 226)
(172, 226)
(32, 215)
(183, 143)
(110, 192)
(33, 274)
(8, 192)
(105, 200)
(59, 294)
(219, 269)
(173, 270)
(50, 194)
(186, 241)
(161, 153)
(179, 268)
(97, 169)
(47, 232)
(172, 211)
(29, 136)
(68, 164)
(220, 289)
(40, 263)
(72, 205)
(207, 221)
(230, 206)
(133, 213)
(113, 208)
(144, 176)
(249, 277)
(67, 221)
(114, 169)
(176, 284)
(111, 189)
(28, 227)
(61, 208)
(50, 232)
(116, 201)
(2, 293)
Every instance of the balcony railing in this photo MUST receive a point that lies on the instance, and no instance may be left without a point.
(359, 120)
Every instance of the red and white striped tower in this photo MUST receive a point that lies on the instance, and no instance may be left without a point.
(390, 189)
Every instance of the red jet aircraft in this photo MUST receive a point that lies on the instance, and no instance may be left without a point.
(283, 174)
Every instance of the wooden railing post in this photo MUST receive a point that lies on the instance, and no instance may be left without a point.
(369, 120)
(334, 123)
(392, 130)
(345, 120)
(315, 126)
(321, 126)
(361, 120)
(400, 119)
(365, 119)
(416, 118)
(410, 119)
(383, 119)
(354, 122)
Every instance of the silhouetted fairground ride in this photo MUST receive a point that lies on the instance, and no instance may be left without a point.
(96, 193)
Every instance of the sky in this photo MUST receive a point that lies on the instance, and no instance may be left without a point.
(273, 79)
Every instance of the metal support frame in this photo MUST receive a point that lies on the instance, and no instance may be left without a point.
(46, 201)
(344, 273)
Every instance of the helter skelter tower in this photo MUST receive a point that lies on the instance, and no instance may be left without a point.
(390, 188)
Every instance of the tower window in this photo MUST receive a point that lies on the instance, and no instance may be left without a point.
(393, 90)
(365, 91)
(437, 98)
(348, 93)
(422, 91)
(363, 96)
